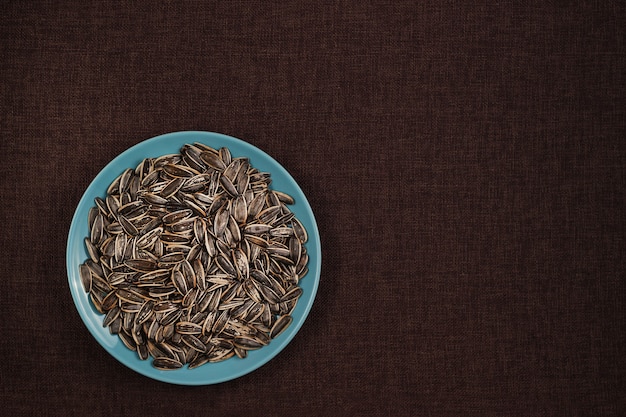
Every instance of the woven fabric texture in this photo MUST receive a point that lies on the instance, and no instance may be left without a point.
(466, 164)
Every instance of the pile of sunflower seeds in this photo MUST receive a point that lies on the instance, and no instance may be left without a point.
(193, 258)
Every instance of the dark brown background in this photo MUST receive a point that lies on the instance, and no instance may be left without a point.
(466, 164)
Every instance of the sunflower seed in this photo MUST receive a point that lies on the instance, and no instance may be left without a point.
(240, 209)
(176, 216)
(127, 225)
(180, 171)
(145, 312)
(172, 187)
(166, 364)
(247, 343)
(128, 209)
(179, 281)
(257, 228)
(256, 205)
(199, 361)
(292, 294)
(226, 265)
(284, 197)
(299, 230)
(142, 352)
(281, 232)
(127, 340)
(194, 343)
(171, 258)
(85, 277)
(268, 214)
(280, 326)
(213, 160)
(141, 265)
(219, 354)
(190, 298)
(111, 316)
(92, 250)
(225, 155)
(171, 317)
(221, 221)
(220, 322)
(188, 327)
(228, 186)
(128, 296)
(124, 180)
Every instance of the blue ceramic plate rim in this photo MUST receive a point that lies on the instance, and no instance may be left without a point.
(76, 253)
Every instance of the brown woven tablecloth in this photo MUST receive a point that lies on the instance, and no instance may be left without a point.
(466, 164)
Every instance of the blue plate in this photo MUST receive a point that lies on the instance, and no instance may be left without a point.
(211, 373)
